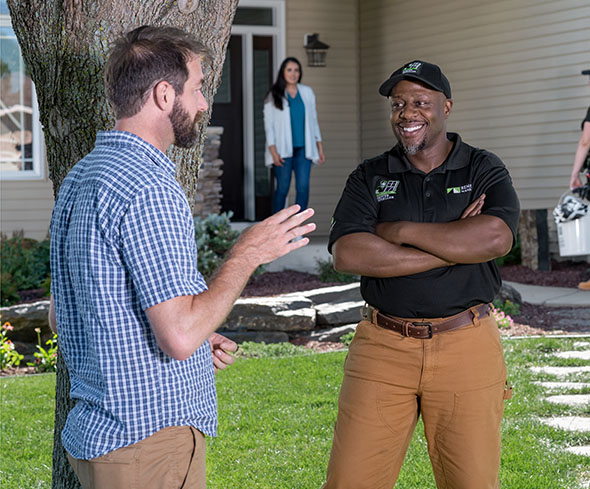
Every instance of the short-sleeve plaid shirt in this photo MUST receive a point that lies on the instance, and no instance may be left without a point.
(122, 240)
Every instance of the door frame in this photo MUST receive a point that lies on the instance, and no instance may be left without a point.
(277, 32)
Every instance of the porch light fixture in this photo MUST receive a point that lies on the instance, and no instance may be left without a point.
(316, 50)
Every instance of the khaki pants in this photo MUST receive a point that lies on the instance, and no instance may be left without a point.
(455, 380)
(172, 458)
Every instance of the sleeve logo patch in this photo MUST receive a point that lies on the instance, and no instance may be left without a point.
(386, 189)
(459, 190)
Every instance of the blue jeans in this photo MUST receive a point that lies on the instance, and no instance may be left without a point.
(299, 164)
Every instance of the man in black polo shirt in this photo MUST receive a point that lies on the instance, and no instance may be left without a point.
(422, 224)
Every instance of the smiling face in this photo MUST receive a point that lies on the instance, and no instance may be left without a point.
(418, 116)
(292, 73)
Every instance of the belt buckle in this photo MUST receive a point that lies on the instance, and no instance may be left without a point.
(425, 324)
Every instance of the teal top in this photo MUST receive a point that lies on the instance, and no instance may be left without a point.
(297, 110)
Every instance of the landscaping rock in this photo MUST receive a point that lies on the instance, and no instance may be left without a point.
(295, 313)
(332, 334)
(508, 293)
(339, 313)
(335, 294)
(25, 318)
(256, 336)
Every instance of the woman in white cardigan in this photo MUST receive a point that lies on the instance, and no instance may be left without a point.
(293, 139)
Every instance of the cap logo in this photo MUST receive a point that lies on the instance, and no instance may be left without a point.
(412, 68)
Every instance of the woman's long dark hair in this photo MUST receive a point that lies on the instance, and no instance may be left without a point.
(277, 91)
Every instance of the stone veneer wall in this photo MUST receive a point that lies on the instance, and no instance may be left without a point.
(208, 199)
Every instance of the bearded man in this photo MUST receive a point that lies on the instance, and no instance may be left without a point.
(135, 317)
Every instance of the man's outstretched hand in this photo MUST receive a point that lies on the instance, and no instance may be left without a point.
(274, 237)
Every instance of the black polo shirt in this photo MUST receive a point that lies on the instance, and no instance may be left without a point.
(390, 188)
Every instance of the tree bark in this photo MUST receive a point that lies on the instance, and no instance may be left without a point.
(64, 45)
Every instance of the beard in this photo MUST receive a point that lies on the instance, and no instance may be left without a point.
(184, 128)
(415, 148)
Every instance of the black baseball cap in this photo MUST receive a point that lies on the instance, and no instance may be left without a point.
(427, 73)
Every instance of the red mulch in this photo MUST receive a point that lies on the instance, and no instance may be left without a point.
(285, 282)
(562, 274)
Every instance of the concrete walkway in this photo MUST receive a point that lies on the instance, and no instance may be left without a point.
(552, 296)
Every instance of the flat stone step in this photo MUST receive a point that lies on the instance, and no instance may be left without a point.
(583, 450)
(582, 344)
(563, 385)
(581, 355)
(570, 399)
(339, 313)
(569, 423)
(561, 371)
(332, 334)
(295, 313)
(257, 336)
(336, 293)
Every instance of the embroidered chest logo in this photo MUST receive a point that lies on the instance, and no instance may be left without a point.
(386, 189)
(459, 190)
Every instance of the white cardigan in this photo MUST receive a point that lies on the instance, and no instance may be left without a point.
(277, 125)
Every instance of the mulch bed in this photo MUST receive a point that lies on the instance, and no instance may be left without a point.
(562, 274)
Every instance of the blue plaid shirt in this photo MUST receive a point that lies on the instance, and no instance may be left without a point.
(123, 240)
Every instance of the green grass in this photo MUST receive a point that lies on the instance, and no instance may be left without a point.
(277, 416)
(27, 407)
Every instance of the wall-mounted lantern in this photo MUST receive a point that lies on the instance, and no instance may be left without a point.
(316, 50)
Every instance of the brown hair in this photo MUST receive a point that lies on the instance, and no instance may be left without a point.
(144, 57)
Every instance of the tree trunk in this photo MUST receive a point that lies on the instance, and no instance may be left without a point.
(527, 230)
(65, 44)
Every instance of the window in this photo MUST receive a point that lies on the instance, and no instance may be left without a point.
(20, 131)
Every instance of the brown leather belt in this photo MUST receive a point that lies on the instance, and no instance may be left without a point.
(426, 328)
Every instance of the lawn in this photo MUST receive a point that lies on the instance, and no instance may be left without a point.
(276, 419)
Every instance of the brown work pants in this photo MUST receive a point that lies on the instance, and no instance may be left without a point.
(172, 458)
(455, 380)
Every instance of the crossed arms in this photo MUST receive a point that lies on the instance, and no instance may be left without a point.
(405, 248)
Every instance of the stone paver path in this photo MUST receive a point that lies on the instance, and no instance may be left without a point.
(582, 355)
(570, 423)
(571, 399)
(561, 371)
(563, 385)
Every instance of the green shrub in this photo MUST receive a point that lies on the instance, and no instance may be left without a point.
(9, 357)
(326, 273)
(214, 237)
(347, 338)
(508, 307)
(25, 265)
(513, 257)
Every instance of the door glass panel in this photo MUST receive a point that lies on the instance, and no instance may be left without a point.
(253, 16)
(223, 95)
(262, 66)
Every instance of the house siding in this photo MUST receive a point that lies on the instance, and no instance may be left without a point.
(514, 68)
(26, 206)
(336, 87)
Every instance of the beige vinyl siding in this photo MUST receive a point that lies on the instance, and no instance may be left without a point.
(514, 68)
(337, 95)
(26, 205)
